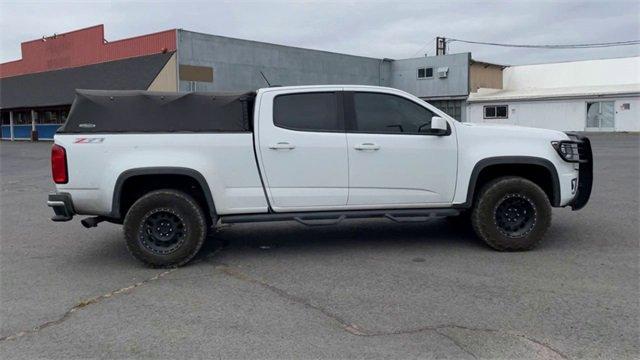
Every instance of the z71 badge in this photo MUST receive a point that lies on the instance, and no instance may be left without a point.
(92, 140)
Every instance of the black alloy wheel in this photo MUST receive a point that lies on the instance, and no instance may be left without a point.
(163, 231)
(515, 215)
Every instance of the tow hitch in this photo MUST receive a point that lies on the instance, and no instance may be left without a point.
(92, 221)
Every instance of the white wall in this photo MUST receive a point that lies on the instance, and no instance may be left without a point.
(564, 115)
(628, 120)
(573, 74)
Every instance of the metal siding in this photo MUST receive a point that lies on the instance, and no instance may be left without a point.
(84, 47)
(46, 131)
(6, 132)
(22, 131)
(456, 84)
(237, 64)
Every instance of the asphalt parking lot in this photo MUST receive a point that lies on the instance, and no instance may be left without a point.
(362, 289)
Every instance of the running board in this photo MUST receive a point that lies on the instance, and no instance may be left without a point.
(334, 217)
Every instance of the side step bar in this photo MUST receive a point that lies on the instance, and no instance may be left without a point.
(334, 217)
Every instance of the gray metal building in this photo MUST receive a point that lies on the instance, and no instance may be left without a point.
(216, 63)
(236, 64)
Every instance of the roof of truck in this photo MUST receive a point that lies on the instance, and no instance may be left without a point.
(327, 86)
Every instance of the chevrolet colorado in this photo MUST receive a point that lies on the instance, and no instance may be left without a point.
(170, 167)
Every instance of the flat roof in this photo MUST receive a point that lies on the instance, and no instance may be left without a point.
(492, 95)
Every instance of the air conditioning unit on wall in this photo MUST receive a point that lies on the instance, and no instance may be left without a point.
(442, 72)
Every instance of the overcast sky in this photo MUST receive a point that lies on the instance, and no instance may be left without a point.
(396, 30)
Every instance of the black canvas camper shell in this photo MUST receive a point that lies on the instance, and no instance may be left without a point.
(137, 111)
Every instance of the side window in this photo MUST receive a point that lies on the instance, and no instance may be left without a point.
(425, 73)
(489, 112)
(5, 118)
(307, 112)
(496, 112)
(501, 112)
(384, 113)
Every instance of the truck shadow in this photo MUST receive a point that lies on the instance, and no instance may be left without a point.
(355, 237)
(350, 235)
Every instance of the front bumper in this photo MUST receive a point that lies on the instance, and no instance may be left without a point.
(585, 173)
(62, 206)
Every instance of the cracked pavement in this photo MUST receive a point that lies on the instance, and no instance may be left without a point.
(362, 289)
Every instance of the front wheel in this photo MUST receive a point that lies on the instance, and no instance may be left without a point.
(511, 214)
(165, 228)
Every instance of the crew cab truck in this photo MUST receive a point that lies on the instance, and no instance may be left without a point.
(170, 167)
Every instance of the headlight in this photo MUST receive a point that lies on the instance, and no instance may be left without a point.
(568, 150)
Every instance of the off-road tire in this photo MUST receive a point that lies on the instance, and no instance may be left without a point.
(171, 204)
(485, 218)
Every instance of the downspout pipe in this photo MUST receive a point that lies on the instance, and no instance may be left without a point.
(11, 134)
(380, 69)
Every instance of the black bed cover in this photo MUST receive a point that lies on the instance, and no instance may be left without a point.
(137, 111)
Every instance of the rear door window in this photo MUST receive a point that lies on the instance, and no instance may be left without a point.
(308, 112)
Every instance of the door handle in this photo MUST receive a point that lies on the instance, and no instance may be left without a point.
(282, 145)
(367, 146)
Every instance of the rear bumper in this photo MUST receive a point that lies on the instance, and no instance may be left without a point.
(585, 173)
(62, 206)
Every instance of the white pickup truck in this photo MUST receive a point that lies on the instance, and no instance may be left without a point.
(171, 167)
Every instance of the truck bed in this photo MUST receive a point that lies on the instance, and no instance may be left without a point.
(226, 160)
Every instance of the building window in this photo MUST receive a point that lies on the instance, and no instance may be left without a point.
(425, 73)
(47, 117)
(496, 112)
(51, 116)
(22, 117)
(601, 115)
(5, 118)
(452, 108)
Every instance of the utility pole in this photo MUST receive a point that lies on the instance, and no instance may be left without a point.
(441, 46)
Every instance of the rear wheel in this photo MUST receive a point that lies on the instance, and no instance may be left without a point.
(511, 214)
(165, 228)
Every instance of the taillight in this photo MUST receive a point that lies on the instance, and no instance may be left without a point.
(59, 165)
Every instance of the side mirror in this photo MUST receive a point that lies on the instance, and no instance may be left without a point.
(438, 125)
